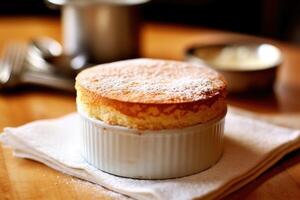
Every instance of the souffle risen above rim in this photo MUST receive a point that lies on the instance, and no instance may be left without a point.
(151, 94)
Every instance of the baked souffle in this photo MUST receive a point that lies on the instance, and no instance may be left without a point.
(151, 94)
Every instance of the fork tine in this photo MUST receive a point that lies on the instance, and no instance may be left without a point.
(12, 62)
(5, 68)
(14, 57)
(19, 54)
(6, 54)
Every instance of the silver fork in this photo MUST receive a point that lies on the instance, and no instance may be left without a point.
(12, 65)
(17, 69)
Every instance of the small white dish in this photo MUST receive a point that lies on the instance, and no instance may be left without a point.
(245, 66)
(148, 154)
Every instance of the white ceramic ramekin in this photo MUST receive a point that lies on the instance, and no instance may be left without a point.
(151, 154)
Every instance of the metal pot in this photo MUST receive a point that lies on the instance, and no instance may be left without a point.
(104, 30)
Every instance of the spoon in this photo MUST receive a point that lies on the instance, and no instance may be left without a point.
(50, 51)
(46, 47)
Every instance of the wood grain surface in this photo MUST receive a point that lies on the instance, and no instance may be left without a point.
(26, 179)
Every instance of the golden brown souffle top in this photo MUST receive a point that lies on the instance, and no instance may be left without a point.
(152, 81)
(151, 94)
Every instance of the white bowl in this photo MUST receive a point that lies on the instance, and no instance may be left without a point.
(150, 154)
(246, 66)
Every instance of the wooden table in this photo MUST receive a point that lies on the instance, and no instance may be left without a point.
(25, 179)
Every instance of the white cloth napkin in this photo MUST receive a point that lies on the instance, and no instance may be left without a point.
(251, 147)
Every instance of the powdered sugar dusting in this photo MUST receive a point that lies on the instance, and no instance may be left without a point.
(87, 189)
(152, 81)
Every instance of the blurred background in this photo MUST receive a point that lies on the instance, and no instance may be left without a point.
(278, 19)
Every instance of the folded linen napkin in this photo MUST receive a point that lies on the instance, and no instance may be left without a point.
(251, 147)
